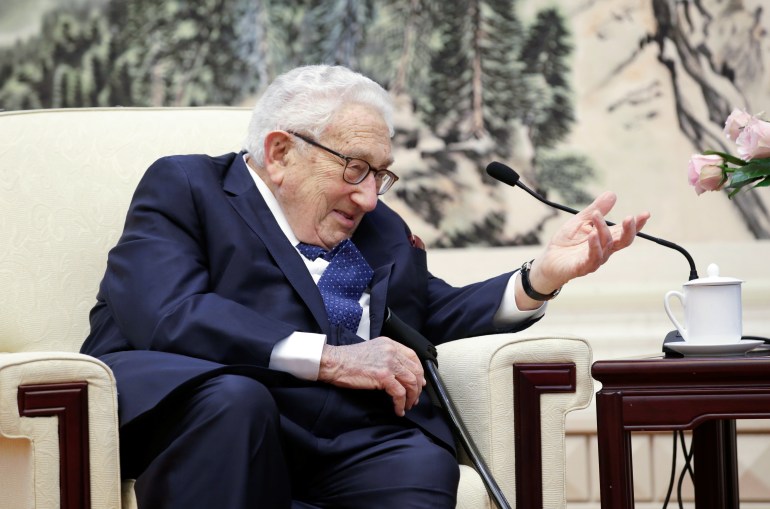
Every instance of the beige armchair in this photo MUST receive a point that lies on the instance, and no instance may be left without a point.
(66, 178)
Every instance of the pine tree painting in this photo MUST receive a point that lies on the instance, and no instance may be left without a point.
(475, 81)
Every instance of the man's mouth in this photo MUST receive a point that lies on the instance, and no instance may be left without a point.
(350, 217)
(347, 219)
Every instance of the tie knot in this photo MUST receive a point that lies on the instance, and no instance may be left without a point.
(312, 252)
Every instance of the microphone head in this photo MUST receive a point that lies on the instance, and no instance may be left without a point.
(503, 173)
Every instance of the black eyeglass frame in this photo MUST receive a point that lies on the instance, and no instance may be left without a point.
(387, 184)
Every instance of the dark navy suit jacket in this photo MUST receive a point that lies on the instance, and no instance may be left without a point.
(203, 281)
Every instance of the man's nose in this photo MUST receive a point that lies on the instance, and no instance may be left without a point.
(365, 193)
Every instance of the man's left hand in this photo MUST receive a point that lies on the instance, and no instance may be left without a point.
(582, 245)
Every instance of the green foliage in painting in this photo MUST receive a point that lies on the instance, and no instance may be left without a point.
(563, 173)
(544, 55)
(480, 79)
(469, 67)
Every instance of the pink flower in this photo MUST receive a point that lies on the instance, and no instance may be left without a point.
(705, 173)
(735, 123)
(754, 140)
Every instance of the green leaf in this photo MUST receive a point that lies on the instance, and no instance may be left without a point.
(737, 186)
(739, 177)
(757, 167)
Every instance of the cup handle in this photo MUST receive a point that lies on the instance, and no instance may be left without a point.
(680, 296)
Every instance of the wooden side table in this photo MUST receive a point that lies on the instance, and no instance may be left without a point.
(704, 394)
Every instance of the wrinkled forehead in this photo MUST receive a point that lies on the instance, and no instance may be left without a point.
(359, 130)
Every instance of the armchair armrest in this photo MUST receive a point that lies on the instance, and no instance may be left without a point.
(58, 432)
(510, 389)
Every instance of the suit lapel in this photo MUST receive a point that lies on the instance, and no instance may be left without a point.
(368, 242)
(251, 207)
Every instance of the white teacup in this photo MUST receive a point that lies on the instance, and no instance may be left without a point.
(712, 309)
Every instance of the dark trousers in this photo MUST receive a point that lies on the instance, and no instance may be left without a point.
(223, 446)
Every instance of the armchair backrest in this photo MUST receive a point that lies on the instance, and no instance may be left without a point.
(66, 179)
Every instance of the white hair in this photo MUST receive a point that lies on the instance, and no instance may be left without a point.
(306, 98)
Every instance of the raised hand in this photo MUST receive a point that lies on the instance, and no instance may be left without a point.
(583, 244)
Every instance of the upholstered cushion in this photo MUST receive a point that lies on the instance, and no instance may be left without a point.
(471, 494)
(67, 178)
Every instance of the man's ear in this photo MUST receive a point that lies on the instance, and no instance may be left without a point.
(277, 146)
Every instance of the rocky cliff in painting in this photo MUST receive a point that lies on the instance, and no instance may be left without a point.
(718, 56)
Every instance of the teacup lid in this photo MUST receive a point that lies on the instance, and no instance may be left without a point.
(713, 278)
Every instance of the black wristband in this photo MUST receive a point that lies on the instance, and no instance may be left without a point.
(531, 292)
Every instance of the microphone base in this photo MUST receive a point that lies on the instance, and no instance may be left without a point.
(672, 337)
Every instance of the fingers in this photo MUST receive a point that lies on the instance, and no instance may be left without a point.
(405, 389)
(380, 363)
(603, 234)
(612, 239)
(630, 227)
(627, 232)
(641, 220)
(604, 240)
(600, 241)
(603, 203)
(411, 377)
(397, 392)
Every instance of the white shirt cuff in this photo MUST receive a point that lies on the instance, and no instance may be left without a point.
(299, 355)
(509, 313)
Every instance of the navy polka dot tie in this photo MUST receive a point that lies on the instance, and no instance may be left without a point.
(343, 281)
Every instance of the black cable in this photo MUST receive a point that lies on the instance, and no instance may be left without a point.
(766, 340)
(687, 457)
(673, 475)
(687, 467)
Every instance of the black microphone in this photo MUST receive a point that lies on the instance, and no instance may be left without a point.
(507, 175)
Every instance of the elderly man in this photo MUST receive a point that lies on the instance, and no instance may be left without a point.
(242, 308)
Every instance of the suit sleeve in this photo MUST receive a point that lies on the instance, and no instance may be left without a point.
(157, 284)
(461, 312)
(440, 311)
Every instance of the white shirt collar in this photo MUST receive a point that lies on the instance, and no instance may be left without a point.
(272, 204)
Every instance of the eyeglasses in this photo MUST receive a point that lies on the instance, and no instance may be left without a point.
(356, 170)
